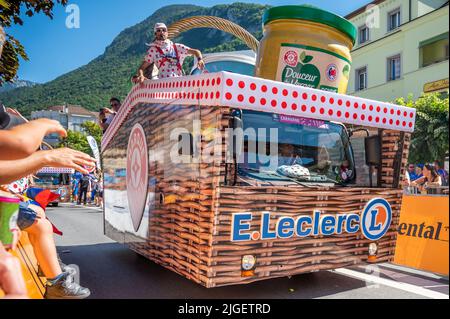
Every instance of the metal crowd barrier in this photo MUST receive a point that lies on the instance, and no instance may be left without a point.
(431, 190)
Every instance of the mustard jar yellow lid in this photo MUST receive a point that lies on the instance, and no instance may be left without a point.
(310, 13)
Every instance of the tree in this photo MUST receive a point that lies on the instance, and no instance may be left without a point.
(10, 11)
(430, 138)
(78, 140)
(94, 130)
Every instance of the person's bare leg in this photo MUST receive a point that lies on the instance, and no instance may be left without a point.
(41, 238)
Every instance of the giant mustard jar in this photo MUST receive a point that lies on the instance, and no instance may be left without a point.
(306, 46)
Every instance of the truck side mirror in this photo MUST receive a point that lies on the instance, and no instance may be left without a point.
(372, 146)
(237, 127)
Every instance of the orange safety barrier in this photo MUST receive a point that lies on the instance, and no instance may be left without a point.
(422, 241)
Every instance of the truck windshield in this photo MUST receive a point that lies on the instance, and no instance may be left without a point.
(43, 180)
(296, 148)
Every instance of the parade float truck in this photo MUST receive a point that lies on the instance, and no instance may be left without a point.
(227, 178)
(200, 199)
(56, 179)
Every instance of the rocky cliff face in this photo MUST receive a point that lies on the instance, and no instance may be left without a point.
(18, 84)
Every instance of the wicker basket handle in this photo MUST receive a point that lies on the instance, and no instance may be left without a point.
(216, 23)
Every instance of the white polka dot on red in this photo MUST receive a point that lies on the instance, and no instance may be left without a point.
(234, 90)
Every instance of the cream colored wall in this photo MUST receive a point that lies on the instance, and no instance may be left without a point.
(418, 8)
(404, 41)
(410, 84)
(380, 16)
(422, 7)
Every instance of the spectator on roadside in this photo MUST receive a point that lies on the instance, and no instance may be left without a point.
(99, 192)
(111, 113)
(429, 179)
(94, 190)
(419, 170)
(75, 186)
(411, 174)
(85, 187)
(102, 119)
(441, 172)
(40, 231)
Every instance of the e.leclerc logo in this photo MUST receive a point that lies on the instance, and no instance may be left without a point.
(373, 222)
(376, 218)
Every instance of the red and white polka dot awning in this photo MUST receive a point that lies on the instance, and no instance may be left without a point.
(246, 92)
(56, 170)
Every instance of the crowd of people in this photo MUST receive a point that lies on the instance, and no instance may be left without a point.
(426, 176)
(87, 188)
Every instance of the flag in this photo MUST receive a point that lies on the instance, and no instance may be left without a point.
(93, 144)
(41, 196)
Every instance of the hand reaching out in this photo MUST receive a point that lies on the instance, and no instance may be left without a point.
(201, 65)
(141, 79)
(66, 157)
(51, 126)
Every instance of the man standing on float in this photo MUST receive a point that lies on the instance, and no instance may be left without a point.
(166, 55)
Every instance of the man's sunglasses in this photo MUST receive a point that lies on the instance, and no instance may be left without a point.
(161, 30)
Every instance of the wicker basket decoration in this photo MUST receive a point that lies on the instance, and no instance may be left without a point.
(213, 22)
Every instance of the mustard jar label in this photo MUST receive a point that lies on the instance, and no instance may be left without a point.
(313, 67)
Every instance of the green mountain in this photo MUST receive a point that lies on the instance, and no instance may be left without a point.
(108, 75)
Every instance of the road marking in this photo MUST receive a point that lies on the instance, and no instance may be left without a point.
(390, 283)
(413, 271)
(92, 208)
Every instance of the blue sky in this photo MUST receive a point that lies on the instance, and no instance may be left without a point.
(54, 49)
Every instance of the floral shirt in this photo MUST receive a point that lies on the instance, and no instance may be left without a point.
(167, 62)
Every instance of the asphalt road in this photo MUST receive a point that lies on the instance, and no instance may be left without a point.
(111, 270)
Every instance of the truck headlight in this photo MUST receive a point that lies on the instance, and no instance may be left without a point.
(248, 262)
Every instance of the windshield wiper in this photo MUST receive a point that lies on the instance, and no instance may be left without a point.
(293, 179)
(287, 177)
(315, 181)
(274, 173)
(333, 181)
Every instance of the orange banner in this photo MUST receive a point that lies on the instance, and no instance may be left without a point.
(422, 241)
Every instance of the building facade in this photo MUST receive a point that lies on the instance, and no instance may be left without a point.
(70, 116)
(401, 49)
